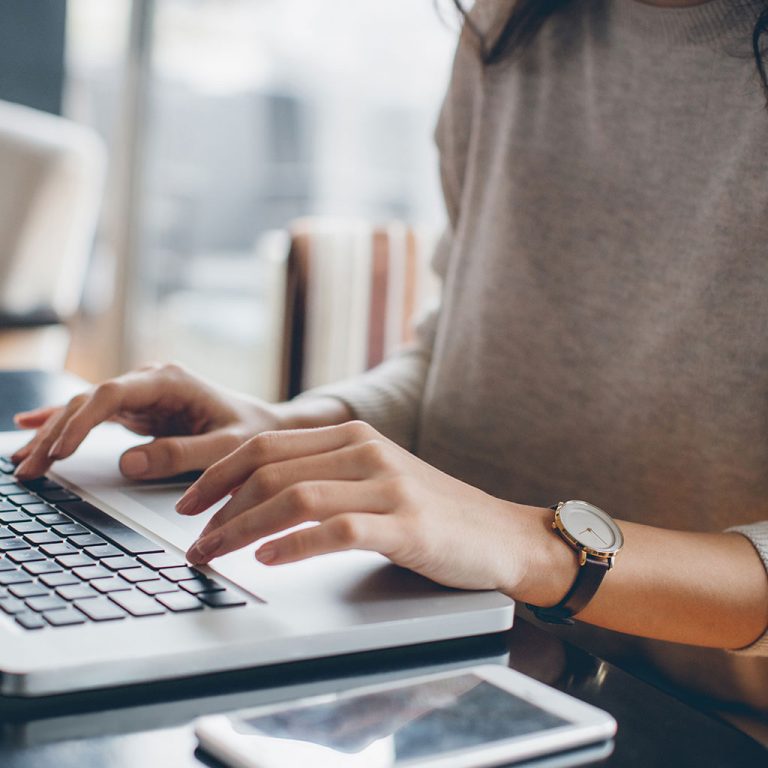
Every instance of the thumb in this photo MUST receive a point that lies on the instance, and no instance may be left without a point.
(169, 456)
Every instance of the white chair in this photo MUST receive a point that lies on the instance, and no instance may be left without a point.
(51, 180)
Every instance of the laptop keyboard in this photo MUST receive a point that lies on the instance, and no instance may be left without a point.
(64, 562)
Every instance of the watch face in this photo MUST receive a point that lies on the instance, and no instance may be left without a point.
(591, 527)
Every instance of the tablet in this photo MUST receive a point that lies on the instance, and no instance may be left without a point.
(481, 716)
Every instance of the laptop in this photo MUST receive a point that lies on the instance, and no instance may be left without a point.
(95, 591)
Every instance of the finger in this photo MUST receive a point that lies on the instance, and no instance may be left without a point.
(272, 479)
(18, 456)
(36, 418)
(141, 424)
(131, 391)
(22, 453)
(169, 456)
(305, 502)
(377, 533)
(38, 460)
(266, 448)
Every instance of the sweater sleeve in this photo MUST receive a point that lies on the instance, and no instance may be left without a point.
(757, 533)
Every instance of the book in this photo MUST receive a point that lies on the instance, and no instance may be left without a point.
(352, 292)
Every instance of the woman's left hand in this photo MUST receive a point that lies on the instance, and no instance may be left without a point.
(368, 493)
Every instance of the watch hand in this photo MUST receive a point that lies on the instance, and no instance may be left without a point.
(598, 536)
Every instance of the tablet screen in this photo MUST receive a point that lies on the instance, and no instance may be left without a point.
(420, 720)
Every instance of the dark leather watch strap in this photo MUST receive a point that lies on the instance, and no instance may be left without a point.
(586, 583)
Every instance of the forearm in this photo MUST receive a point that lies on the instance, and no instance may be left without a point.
(388, 397)
(310, 412)
(707, 589)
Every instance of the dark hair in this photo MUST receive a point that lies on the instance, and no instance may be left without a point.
(527, 16)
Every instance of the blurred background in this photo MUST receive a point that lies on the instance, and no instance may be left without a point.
(220, 122)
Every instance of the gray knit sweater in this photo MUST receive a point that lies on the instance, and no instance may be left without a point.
(603, 332)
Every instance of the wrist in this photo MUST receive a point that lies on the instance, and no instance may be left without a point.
(311, 412)
(551, 566)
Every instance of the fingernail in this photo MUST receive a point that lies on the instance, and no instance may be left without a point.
(203, 548)
(55, 451)
(267, 554)
(187, 502)
(134, 464)
(20, 471)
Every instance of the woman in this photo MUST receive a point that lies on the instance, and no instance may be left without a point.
(602, 336)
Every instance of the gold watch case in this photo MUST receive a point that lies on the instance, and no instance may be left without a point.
(589, 530)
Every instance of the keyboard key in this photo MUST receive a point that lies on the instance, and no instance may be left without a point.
(21, 499)
(197, 586)
(33, 589)
(126, 538)
(60, 579)
(6, 506)
(42, 538)
(12, 605)
(100, 609)
(47, 603)
(120, 563)
(106, 550)
(65, 617)
(8, 545)
(13, 577)
(5, 533)
(26, 556)
(224, 599)
(16, 516)
(90, 572)
(30, 620)
(41, 483)
(76, 592)
(135, 575)
(37, 509)
(160, 560)
(70, 529)
(31, 526)
(87, 540)
(59, 548)
(180, 574)
(56, 495)
(9, 489)
(179, 602)
(137, 604)
(157, 587)
(54, 518)
(113, 584)
(75, 561)
(6, 564)
(42, 566)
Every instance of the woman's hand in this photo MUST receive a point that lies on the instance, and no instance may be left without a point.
(368, 493)
(194, 422)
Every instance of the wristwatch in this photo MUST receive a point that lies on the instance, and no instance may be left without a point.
(596, 539)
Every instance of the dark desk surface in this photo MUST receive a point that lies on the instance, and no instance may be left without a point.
(151, 726)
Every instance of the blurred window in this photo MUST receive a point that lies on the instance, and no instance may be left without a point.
(259, 111)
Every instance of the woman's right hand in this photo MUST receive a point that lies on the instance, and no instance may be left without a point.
(194, 423)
